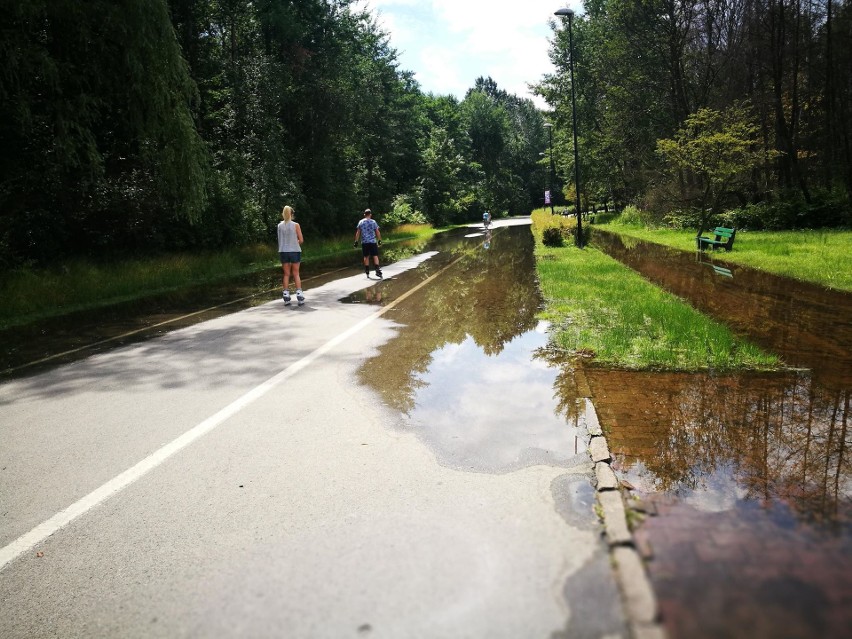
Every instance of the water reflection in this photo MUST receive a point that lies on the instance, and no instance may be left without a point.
(778, 436)
(807, 325)
(714, 441)
(461, 368)
(750, 474)
(492, 413)
(749, 479)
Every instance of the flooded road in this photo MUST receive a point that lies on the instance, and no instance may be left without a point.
(303, 502)
(747, 477)
(465, 368)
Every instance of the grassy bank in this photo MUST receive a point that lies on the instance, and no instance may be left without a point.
(28, 295)
(822, 257)
(603, 310)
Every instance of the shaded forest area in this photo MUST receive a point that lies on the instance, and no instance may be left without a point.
(135, 127)
(705, 72)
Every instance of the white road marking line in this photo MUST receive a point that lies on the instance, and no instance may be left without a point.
(44, 530)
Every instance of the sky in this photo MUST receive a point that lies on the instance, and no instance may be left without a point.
(450, 43)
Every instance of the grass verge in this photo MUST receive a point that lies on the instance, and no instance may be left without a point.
(28, 295)
(819, 256)
(602, 310)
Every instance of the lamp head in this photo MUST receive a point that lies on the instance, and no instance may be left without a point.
(547, 125)
(566, 12)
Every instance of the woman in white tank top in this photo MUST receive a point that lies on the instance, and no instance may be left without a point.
(290, 251)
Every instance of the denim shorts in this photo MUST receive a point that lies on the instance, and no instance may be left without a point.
(290, 257)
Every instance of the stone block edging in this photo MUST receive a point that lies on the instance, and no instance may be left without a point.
(640, 603)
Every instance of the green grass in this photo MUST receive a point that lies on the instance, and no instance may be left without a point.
(819, 256)
(603, 310)
(28, 295)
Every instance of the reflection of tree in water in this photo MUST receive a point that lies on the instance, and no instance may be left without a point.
(784, 435)
(569, 383)
(805, 324)
(490, 296)
(401, 251)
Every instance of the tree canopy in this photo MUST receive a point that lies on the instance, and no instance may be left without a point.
(645, 70)
(139, 126)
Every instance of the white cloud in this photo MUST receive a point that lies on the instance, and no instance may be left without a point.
(436, 68)
(449, 43)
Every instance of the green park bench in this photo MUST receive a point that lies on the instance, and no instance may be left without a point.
(724, 238)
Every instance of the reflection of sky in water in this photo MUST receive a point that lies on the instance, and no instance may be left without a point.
(493, 413)
(717, 492)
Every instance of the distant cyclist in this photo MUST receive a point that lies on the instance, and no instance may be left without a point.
(486, 219)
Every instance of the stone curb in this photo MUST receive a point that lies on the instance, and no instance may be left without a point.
(637, 595)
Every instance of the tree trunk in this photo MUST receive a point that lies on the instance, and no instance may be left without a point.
(830, 129)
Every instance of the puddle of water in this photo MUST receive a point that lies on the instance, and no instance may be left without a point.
(492, 413)
(714, 442)
(464, 364)
(767, 436)
(750, 474)
(808, 325)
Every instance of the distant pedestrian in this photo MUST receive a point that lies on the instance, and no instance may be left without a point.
(371, 239)
(290, 251)
(486, 219)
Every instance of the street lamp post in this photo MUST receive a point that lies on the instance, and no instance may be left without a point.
(549, 128)
(570, 14)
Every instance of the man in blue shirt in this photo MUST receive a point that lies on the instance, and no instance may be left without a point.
(371, 238)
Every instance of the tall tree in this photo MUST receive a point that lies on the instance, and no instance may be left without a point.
(99, 146)
(718, 148)
(643, 67)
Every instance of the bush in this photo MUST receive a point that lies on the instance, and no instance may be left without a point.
(605, 217)
(402, 212)
(634, 216)
(756, 217)
(825, 210)
(685, 219)
(552, 236)
(631, 215)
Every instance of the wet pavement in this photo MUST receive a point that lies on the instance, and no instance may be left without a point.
(44, 344)
(747, 478)
(467, 356)
(457, 359)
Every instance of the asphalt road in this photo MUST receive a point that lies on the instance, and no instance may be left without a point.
(232, 479)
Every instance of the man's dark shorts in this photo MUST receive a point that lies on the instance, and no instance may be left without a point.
(369, 249)
(290, 257)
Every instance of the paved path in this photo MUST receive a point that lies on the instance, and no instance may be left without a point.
(231, 479)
